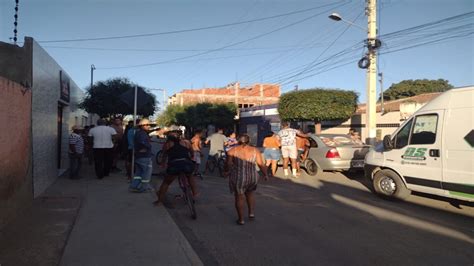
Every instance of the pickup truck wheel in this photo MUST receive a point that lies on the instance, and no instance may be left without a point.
(311, 167)
(388, 184)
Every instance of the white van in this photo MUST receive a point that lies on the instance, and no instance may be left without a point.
(431, 152)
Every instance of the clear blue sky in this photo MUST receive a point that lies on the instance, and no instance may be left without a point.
(268, 57)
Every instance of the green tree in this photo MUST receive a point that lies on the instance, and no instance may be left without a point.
(199, 115)
(317, 105)
(169, 116)
(115, 97)
(409, 88)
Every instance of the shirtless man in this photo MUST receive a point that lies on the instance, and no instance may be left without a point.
(196, 146)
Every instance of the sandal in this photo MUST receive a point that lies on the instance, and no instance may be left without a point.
(240, 222)
(251, 216)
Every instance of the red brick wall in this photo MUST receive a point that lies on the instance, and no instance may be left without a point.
(256, 94)
(15, 149)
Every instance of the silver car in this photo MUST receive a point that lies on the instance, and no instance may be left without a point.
(334, 152)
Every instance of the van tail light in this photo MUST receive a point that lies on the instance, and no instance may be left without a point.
(332, 154)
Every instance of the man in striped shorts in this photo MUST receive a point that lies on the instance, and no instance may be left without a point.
(76, 149)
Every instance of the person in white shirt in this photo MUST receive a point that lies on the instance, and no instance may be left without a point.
(102, 139)
(289, 151)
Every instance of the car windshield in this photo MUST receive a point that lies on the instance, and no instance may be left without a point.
(337, 141)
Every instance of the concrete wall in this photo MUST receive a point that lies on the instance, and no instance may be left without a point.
(46, 99)
(15, 63)
(386, 124)
(15, 136)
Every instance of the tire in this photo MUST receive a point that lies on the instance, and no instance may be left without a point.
(190, 202)
(211, 165)
(158, 157)
(311, 167)
(389, 184)
(220, 165)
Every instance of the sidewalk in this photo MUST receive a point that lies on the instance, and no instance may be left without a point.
(111, 227)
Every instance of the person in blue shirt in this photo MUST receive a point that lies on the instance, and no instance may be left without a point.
(143, 157)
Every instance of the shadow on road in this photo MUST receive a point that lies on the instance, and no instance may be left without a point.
(359, 177)
(323, 222)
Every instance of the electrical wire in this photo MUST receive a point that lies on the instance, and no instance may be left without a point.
(407, 41)
(291, 79)
(285, 58)
(283, 48)
(187, 30)
(223, 47)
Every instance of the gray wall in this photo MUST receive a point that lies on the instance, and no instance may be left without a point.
(46, 96)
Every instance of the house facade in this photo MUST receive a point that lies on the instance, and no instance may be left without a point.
(243, 97)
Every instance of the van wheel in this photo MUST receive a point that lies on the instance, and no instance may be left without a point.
(311, 167)
(387, 183)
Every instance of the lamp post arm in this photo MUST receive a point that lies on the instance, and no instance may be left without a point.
(353, 24)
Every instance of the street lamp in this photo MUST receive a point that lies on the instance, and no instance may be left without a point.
(337, 17)
(368, 62)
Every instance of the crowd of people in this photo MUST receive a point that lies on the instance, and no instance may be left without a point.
(106, 143)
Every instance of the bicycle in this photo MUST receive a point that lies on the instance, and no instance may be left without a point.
(187, 194)
(218, 160)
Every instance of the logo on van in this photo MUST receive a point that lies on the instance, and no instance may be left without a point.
(417, 154)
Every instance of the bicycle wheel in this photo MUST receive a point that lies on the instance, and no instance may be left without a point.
(221, 165)
(211, 164)
(188, 197)
(159, 157)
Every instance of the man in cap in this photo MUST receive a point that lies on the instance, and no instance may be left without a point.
(76, 149)
(143, 155)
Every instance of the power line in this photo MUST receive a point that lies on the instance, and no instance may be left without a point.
(223, 47)
(283, 59)
(278, 62)
(283, 48)
(322, 53)
(453, 32)
(186, 30)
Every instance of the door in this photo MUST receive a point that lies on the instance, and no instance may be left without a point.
(458, 148)
(417, 153)
(252, 131)
(60, 134)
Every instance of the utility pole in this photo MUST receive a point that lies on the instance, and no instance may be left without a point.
(372, 45)
(381, 92)
(92, 75)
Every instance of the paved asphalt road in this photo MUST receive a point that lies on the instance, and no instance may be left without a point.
(331, 219)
